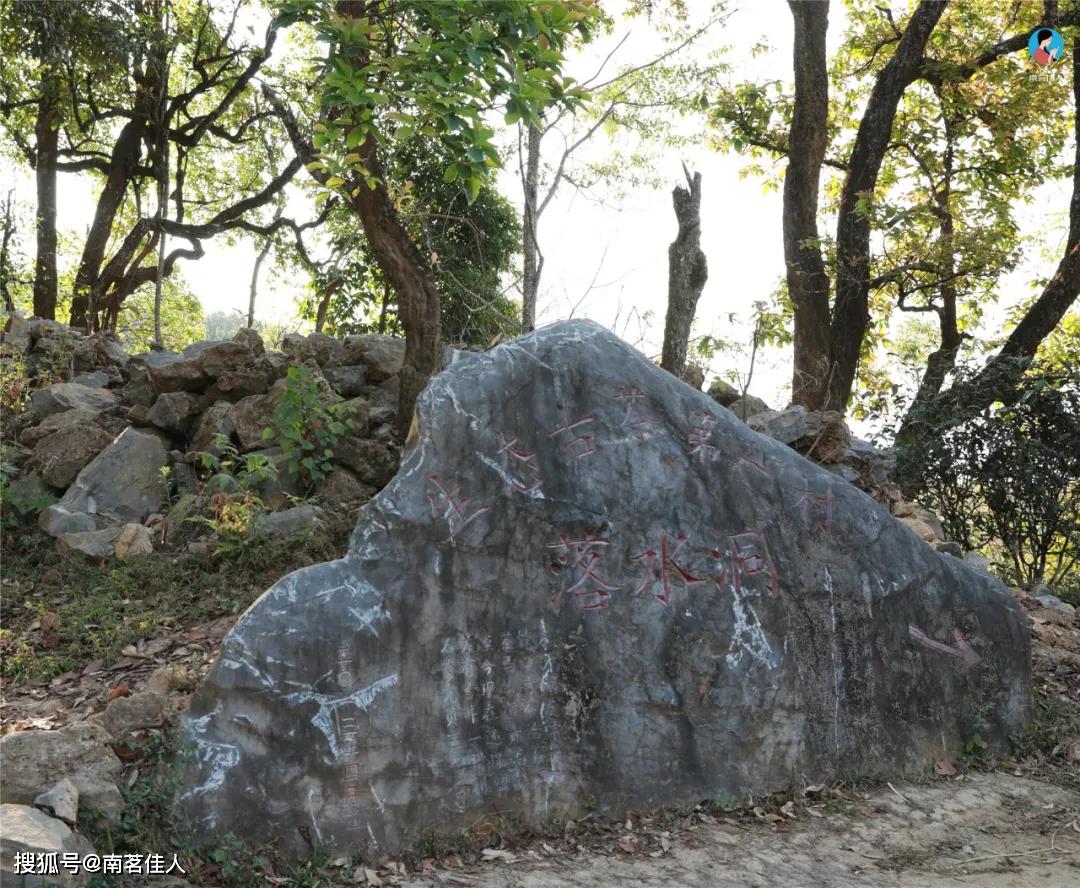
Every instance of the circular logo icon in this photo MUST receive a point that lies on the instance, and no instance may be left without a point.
(1046, 46)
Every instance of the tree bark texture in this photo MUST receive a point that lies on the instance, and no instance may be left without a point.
(687, 273)
(851, 315)
(807, 280)
(532, 263)
(46, 137)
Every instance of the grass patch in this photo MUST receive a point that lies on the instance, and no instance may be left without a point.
(1045, 739)
(59, 611)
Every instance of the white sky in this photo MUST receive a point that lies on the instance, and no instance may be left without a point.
(622, 248)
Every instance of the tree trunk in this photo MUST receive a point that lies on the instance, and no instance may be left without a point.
(404, 268)
(532, 261)
(687, 273)
(6, 274)
(46, 135)
(122, 164)
(807, 280)
(851, 313)
(253, 291)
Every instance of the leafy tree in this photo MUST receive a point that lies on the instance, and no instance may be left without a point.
(396, 69)
(1009, 476)
(471, 248)
(155, 97)
(929, 124)
(181, 318)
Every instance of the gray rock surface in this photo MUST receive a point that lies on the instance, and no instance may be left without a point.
(32, 760)
(289, 523)
(56, 423)
(92, 543)
(122, 483)
(723, 393)
(62, 455)
(382, 355)
(27, 830)
(63, 396)
(217, 420)
(590, 582)
(173, 412)
(747, 406)
(62, 799)
(1055, 603)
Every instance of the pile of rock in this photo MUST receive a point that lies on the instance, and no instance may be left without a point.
(53, 782)
(824, 437)
(118, 440)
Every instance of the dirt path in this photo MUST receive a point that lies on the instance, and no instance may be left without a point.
(989, 830)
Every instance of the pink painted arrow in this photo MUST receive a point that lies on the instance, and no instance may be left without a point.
(962, 651)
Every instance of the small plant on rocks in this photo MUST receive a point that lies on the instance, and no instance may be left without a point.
(307, 428)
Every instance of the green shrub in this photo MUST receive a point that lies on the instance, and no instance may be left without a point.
(306, 427)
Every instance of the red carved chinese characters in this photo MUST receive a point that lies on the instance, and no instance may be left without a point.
(816, 507)
(590, 590)
(447, 503)
(520, 465)
(579, 445)
(636, 418)
(757, 460)
(749, 558)
(658, 568)
(702, 424)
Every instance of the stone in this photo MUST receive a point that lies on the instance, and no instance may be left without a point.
(748, 406)
(16, 335)
(122, 483)
(318, 347)
(62, 800)
(694, 376)
(95, 379)
(281, 485)
(171, 372)
(385, 396)
(139, 390)
(382, 355)
(178, 526)
(1055, 603)
(250, 416)
(98, 350)
(290, 523)
(173, 412)
(254, 379)
(348, 381)
(56, 423)
(931, 520)
(93, 544)
(134, 539)
(216, 358)
(950, 547)
(821, 435)
(62, 455)
(978, 561)
(251, 340)
(589, 583)
(342, 487)
(181, 474)
(63, 396)
(169, 679)
(57, 521)
(80, 752)
(723, 393)
(137, 712)
(371, 461)
(922, 530)
(26, 830)
(356, 411)
(216, 420)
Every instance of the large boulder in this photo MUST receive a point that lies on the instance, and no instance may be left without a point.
(122, 483)
(61, 456)
(63, 396)
(56, 422)
(35, 760)
(589, 582)
(216, 420)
